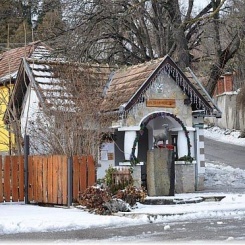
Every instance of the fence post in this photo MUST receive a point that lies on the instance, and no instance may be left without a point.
(69, 181)
(26, 154)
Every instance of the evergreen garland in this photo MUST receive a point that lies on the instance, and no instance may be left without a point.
(133, 159)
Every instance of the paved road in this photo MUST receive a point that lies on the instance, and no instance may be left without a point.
(219, 152)
(218, 229)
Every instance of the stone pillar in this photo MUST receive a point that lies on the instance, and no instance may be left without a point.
(192, 142)
(184, 177)
(137, 176)
(157, 168)
(182, 144)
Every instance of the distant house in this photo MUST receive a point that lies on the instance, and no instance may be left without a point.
(9, 65)
(227, 95)
(145, 97)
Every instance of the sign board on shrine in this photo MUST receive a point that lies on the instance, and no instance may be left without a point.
(168, 103)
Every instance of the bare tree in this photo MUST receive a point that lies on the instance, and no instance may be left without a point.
(228, 34)
(11, 129)
(68, 119)
(129, 32)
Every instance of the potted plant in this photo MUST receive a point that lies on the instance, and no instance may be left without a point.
(185, 160)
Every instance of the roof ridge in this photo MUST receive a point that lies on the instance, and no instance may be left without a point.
(61, 62)
(152, 61)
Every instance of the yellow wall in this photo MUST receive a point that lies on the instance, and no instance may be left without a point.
(4, 134)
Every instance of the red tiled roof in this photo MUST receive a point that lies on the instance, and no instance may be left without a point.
(10, 60)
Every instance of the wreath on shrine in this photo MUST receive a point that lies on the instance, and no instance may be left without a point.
(133, 159)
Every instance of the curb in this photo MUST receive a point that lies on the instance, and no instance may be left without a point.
(154, 216)
(173, 201)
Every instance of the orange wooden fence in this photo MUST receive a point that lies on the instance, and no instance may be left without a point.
(83, 174)
(47, 178)
(12, 178)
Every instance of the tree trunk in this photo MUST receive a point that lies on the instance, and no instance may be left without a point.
(181, 51)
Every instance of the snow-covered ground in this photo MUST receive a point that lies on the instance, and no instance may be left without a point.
(224, 135)
(19, 218)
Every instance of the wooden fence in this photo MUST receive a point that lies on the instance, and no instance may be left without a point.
(121, 177)
(12, 178)
(47, 178)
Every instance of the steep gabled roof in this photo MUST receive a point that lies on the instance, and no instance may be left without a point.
(57, 83)
(128, 85)
(125, 82)
(11, 59)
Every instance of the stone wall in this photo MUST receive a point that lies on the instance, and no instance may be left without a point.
(184, 177)
(171, 91)
(232, 117)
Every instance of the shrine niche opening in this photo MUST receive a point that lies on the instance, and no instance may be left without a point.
(133, 159)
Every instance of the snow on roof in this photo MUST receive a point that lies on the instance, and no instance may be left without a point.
(56, 86)
(40, 52)
(11, 59)
(40, 73)
(8, 77)
(39, 67)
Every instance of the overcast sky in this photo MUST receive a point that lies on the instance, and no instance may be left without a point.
(200, 3)
(197, 3)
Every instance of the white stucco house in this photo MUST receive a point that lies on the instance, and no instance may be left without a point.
(45, 104)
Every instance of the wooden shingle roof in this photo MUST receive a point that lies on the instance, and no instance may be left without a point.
(127, 86)
(126, 82)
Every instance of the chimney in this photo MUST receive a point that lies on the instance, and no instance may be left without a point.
(220, 85)
(228, 82)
